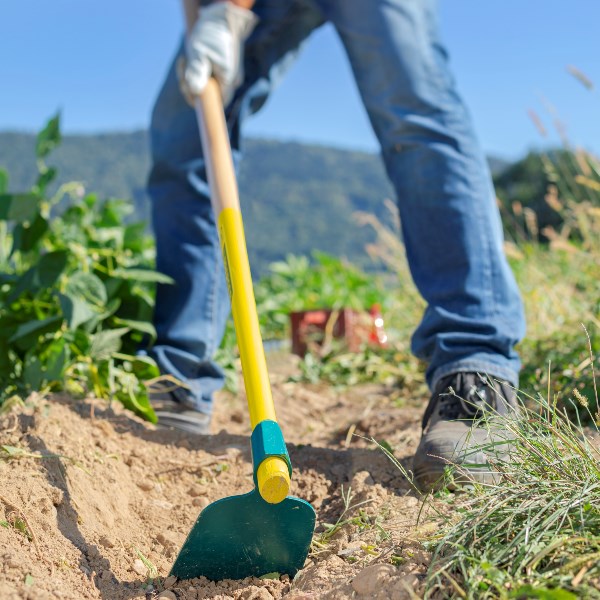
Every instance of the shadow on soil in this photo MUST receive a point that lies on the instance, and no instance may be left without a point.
(337, 465)
(92, 563)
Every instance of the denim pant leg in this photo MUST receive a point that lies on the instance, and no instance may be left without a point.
(190, 316)
(450, 221)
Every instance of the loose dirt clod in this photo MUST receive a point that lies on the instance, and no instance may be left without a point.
(97, 512)
(372, 578)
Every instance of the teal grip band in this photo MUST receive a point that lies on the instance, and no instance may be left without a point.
(267, 440)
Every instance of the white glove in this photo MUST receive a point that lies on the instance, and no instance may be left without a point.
(215, 47)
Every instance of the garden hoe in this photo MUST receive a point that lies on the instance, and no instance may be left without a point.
(264, 531)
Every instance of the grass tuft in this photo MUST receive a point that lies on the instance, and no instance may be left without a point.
(536, 532)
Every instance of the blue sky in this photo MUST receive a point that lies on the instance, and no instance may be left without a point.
(102, 63)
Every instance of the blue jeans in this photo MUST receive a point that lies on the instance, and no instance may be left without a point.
(450, 222)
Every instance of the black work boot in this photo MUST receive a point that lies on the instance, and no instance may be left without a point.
(175, 414)
(459, 430)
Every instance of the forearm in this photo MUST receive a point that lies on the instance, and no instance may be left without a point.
(190, 10)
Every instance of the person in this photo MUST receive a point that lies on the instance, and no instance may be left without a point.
(450, 222)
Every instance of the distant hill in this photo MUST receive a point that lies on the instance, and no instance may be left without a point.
(111, 164)
(295, 197)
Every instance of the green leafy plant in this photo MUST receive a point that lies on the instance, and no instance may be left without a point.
(301, 284)
(339, 367)
(151, 570)
(76, 291)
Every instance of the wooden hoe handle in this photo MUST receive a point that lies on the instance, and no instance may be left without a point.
(273, 476)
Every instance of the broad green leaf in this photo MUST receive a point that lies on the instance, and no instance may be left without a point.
(110, 309)
(145, 368)
(90, 200)
(5, 362)
(48, 138)
(18, 207)
(109, 237)
(113, 213)
(55, 358)
(50, 267)
(133, 394)
(76, 311)
(25, 283)
(142, 275)
(3, 180)
(134, 237)
(33, 373)
(87, 287)
(142, 295)
(25, 237)
(80, 340)
(113, 287)
(45, 177)
(27, 334)
(7, 326)
(143, 326)
(43, 275)
(106, 343)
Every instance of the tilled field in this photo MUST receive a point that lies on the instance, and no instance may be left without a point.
(94, 503)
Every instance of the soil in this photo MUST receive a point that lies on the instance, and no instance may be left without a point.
(93, 500)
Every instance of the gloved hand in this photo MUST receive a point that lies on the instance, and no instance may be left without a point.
(215, 46)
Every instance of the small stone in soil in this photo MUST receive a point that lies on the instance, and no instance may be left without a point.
(104, 541)
(168, 594)
(200, 502)
(139, 567)
(255, 593)
(145, 485)
(170, 581)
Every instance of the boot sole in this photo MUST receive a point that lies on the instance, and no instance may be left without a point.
(453, 478)
(169, 420)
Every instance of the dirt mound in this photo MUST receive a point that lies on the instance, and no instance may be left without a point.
(95, 503)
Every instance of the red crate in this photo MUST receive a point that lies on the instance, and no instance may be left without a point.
(313, 327)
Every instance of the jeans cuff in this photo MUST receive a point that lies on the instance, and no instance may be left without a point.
(475, 366)
(187, 398)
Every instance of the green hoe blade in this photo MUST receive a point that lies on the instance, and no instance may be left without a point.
(243, 536)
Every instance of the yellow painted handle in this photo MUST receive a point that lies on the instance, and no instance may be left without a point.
(273, 478)
(243, 306)
(272, 474)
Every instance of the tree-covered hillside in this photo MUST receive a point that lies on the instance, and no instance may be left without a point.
(296, 198)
